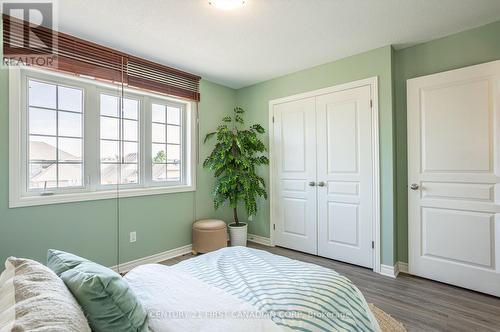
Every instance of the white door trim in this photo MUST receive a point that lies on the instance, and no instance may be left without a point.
(373, 83)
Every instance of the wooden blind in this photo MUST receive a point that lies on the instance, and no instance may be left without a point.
(40, 46)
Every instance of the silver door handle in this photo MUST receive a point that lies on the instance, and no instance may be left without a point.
(321, 184)
(312, 184)
(414, 186)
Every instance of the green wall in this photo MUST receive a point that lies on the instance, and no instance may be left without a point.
(90, 229)
(459, 50)
(255, 99)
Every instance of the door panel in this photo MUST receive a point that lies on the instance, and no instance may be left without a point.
(471, 236)
(293, 133)
(461, 191)
(453, 137)
(341, 135)
(345, 163)
(343, 223)
(295, 153)
(458, 143)
(294, 213)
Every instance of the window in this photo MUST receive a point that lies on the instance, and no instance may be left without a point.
(166, 143)
(75, 139)
(119, 140)
(55, 158)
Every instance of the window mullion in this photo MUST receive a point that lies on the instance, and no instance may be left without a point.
(120, 137)
(183, 147)
(166, 144)
(57, 137)
(144, 142)
(92, 142)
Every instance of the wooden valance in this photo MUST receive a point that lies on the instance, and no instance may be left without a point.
(44, 47)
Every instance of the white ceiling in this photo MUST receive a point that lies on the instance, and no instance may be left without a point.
(265, 38)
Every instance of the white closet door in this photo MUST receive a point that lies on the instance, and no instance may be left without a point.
(454, 176)
(345, 164)
(295, 174)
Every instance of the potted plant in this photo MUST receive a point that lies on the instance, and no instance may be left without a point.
(234, 159)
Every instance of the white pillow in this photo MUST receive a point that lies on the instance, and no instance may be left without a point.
(35, 299)
(7, 298)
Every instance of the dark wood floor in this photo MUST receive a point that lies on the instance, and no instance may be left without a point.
(420, 304)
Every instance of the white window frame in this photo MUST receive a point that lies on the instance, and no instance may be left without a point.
(184, 139)
(19, 196)
(25, 137)
(140, 138)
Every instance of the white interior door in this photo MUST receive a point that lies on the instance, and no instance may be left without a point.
(295, 169)
(454, 175)
(345, 176)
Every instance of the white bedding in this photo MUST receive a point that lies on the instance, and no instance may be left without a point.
(244, 289)
(176, 301)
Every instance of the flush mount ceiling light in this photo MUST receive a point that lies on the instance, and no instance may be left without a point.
(227, 4)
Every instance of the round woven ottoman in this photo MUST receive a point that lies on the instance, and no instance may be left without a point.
(209, 235)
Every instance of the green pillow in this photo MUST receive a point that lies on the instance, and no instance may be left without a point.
(60, 261)
(106, 299)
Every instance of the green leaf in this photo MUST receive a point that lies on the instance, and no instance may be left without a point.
(258, 128)
(239, 119)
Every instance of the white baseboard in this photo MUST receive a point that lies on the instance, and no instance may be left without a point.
(393, 271)
(259, 239)
(156, 258)
(169, 254)
(388, 271)
(402, 267)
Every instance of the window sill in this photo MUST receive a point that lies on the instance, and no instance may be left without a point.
(96, 195)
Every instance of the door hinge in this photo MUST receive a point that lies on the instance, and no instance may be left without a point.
(371, 103)
(274, 227)
(373, 244)
(273, 118)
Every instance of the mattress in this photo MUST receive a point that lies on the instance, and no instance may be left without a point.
(244, 289)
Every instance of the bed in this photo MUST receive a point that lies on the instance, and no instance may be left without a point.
(245, 289)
